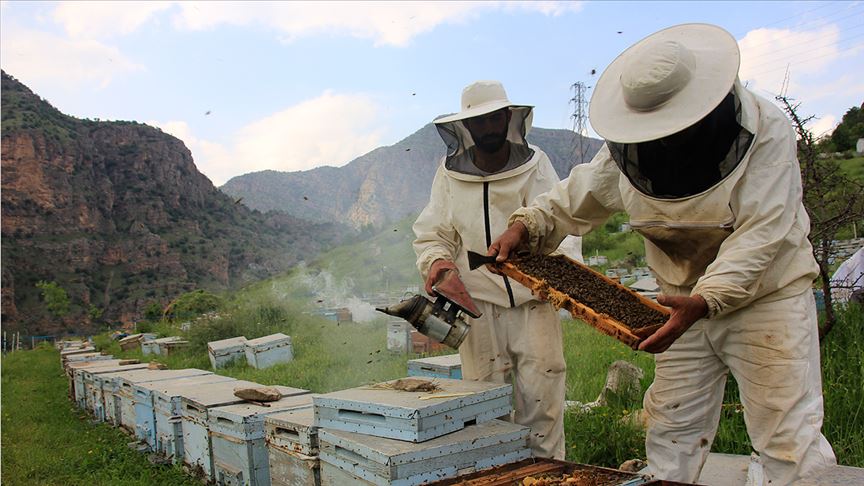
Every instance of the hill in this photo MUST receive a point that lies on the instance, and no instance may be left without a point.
(117, 214)
(382, 186)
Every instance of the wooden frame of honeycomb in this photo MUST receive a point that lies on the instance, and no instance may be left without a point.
(602, 322)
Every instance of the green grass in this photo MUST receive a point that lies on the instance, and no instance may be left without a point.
(47, 440)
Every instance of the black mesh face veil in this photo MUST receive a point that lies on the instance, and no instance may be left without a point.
(688, 162)
(459, 142)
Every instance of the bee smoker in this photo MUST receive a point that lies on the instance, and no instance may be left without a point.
(441, 319)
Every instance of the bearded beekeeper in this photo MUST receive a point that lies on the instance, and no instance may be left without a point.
(708, 172)
(489, 171)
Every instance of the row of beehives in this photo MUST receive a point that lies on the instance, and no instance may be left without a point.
(259, 353)
(367, 435)
(151, 345)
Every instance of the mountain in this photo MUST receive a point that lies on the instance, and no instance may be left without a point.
(117, 214)
(384, 185)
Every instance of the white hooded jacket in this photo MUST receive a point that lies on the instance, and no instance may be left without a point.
(468, 209)
(741, 240)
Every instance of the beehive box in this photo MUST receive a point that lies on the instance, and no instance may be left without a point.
(195, 405)
(166, 411)
(76, 380)
(592, 297)
(238, 439)
(142, 402)
(447, 366)
(412, 416)
(292, 448)
(267, 351)
(123, 390)
(349, 458)
(167, 348)
(539, 468)
(225, 351)
(423, 344)
(399, 336)
(92, 389)
(133, 341)
(77, 358)
(152, 346)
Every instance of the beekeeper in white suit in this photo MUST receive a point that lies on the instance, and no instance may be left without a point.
(708, 173)
(489, 171)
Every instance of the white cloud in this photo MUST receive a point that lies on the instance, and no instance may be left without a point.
(823, 126)
(387, 23)
(102, 19)
(766, 53)
(331, 129)
(40, 57)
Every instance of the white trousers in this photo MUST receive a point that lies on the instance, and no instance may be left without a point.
(522, 346)
(772, 350)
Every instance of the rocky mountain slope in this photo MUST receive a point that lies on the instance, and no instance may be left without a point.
(384, 185)
(117, 214)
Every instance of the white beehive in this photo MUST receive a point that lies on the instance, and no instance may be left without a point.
(142, 401)
(399, 336)
(226, 351)
(237, 436)
(93, 398)
(153, 346)
(292, 448)
(166, 411)
(413, 416)
(76, 380)
(357, 459)
(195, 405)
(267, 351)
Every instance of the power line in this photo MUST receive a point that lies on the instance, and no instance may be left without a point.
(579, 116)
(791, 61)
(809, 43)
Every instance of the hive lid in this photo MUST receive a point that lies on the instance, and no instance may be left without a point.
(247, 411)
(226, 344)
(447, 360)
(453, 394)
(267, 340)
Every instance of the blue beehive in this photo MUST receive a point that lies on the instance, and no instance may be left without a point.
(448, 366)
(292, 448)
(142, 401)
(237, 436)
(415, 416)
(356, 459)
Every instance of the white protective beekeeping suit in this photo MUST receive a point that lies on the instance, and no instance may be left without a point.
(517, 339)
(708, 173)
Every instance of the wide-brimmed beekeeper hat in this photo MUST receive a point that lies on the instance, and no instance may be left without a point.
(481, 98)
(664, 83)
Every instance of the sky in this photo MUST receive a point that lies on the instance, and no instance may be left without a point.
(289, 86)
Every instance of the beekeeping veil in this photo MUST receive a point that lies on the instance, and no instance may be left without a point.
(481, 98)
(668, 109)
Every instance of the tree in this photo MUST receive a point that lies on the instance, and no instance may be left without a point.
(55, 298)
(850, 129)
(833, 201)
(94, 312)
(153, 312)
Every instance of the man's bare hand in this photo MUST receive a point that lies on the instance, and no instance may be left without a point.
(685, 312)
(436, 272)
(509, 240)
